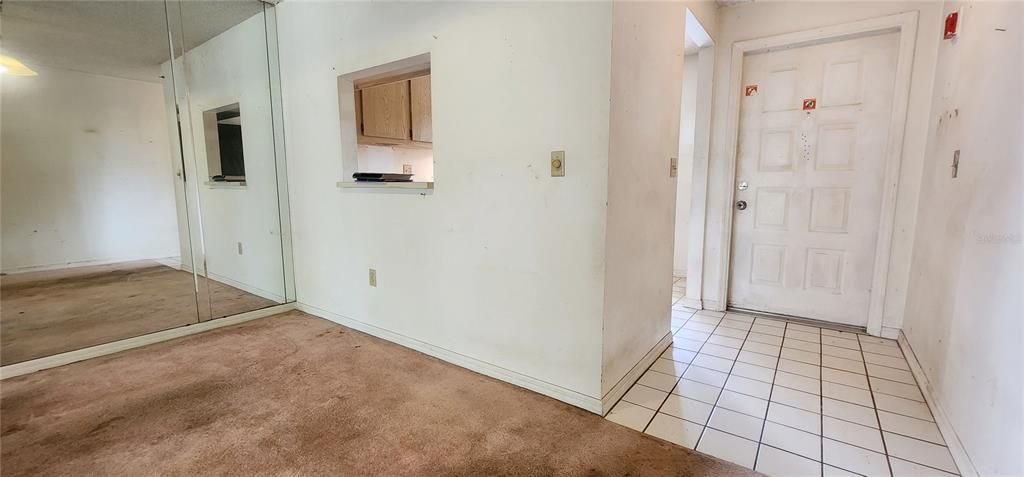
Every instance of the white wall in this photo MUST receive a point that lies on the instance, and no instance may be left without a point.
(964, 305)
(86, 175)
(502, 264)
(232, 68)
(768, 18)
(684, 181)
(647, 67)
(706, 12)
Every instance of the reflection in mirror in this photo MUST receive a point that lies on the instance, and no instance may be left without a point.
(139, 194)
(225, 160)
(90, 244)
(229, 141)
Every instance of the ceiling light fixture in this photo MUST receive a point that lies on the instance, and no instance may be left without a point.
(13, 67)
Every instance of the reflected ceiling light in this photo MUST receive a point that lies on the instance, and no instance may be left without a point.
(13, 67)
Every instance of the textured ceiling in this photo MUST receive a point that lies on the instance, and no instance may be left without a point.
(729, 3)
(127, 39)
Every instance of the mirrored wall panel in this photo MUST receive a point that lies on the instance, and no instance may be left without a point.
(141, 170)
(230, 149)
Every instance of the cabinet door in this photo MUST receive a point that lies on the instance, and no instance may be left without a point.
(420, 90)
(386, 110)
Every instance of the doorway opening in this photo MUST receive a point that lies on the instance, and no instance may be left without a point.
(694, 139)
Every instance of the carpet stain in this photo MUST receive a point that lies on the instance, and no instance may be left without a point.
(103, 425)
(12, 429)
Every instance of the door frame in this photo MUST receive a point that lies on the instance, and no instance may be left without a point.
(699, 180)
(906, 25)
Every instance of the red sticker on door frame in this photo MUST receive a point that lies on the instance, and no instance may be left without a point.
(810, 103)
(750, 90)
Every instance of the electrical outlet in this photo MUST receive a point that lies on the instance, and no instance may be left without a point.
(373, 278)
(673, 166)
(406, 168)
(239, 248)
(557, 163)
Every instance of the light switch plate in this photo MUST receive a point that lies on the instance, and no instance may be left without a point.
(373, 278)
(557, 163)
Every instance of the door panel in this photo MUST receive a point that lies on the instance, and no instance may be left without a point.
(239, 226)
(420, 109)
(386, 110)
(805, 245)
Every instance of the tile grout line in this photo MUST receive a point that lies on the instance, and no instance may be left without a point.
(897, 382)
(722, 391)
(919, 389)
(805, 392)
(879, 365)
(956, 474)
(808, 458)
(789, 451)
(838, 419)
(695, 354)
(678, 378)
(771, 390)
(821, 398)
(821, 367)
(794, 428)
(881, 435)
(842, 441)
(623, 398)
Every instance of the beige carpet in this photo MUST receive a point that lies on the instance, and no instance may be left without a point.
(296, 395)
(45, 313)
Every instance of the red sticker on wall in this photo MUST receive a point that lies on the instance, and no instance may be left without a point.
(810, 103)
(750, 90)
(952, 24)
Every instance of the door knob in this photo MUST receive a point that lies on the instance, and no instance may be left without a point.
(742, 205)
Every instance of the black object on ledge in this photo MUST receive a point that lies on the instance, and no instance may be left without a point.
(381, 177)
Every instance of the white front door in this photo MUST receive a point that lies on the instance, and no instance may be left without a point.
(810, 164)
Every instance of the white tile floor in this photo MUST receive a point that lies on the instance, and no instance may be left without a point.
(786, 399)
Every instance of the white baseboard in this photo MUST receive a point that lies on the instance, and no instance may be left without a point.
(246, 287)
(956, 447)
(568, 396)
(890, 333)
(713, 305)
(69, 357)
(171, 262)
(187, 267)
(694, 303)
(616, 392)
(84, 263)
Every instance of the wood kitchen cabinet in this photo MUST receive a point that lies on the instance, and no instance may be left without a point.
(419, 89)
(386, 110)
(396, 112)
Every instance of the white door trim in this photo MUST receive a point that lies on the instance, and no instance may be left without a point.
(906, 25)
(699, 177)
